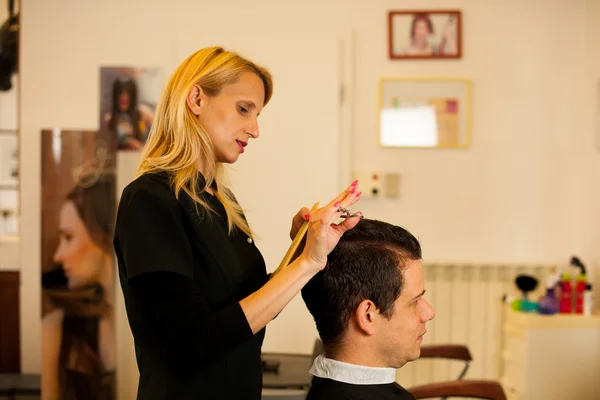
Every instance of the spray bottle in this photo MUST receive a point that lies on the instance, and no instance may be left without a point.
(580, 285)
(566, 293)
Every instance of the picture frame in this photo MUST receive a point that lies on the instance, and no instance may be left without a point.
(424, 34)
(128, 99)
(425, 113)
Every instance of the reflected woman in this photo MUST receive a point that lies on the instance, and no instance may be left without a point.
(78, 340)
(128, 118)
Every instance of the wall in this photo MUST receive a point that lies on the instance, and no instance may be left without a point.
(590, 168)
(518, 193)
(510, 196)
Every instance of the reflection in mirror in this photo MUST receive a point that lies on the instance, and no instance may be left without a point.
(424, 113)
(9, 155)
(9, 179)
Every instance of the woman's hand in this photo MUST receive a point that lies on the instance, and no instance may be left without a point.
(300, 218)
(323, 235)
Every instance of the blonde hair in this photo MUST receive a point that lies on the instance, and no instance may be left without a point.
(177, 140)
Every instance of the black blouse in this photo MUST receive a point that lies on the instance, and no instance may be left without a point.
(182, 278)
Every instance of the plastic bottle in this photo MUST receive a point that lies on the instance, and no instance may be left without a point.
(579, 293)
(588, 300)
(549, 304)
(566, 293)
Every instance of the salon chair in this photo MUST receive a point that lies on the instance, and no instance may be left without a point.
(473, 389)
(449, 352)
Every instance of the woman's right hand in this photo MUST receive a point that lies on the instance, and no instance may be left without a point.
(323, 234)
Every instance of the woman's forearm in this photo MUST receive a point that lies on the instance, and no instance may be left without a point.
(264, 304)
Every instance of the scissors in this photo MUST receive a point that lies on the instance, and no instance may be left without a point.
(347, 214)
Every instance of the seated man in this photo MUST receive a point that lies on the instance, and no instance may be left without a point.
(370, 312)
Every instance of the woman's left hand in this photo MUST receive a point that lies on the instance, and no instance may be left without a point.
(298, 220)
(323, 233)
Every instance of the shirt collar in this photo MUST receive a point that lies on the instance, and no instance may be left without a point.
(351, 373)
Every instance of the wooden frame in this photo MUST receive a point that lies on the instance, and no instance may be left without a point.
(444, 39)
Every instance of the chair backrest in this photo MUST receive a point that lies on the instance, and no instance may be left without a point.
(475, 389)
(449, 351)
(453, 351)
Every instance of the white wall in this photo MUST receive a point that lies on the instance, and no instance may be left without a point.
(524, 191)
(590, 166)
(510, 196)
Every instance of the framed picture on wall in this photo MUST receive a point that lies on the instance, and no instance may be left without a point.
(422, 34)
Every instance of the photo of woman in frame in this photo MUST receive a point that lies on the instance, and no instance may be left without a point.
(424, 34)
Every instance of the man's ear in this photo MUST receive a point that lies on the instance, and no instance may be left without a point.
(195, 99)
(365, 316)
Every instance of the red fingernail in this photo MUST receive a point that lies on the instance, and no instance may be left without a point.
(359, 213)
(307, 217)
(354, 183)
(358, 194)
(353, 190)
(337, 204)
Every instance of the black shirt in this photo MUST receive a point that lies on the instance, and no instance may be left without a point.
(182, 278)
(328, 389)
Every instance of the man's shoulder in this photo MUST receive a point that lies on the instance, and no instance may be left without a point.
(328, 389)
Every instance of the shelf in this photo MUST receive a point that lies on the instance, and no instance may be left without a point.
(521, 320)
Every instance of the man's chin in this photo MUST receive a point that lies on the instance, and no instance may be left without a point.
(415, 354)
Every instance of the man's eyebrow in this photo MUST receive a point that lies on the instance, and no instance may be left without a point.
(420, 295)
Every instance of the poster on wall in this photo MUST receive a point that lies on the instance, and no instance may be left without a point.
(128, 98)
(78, 270)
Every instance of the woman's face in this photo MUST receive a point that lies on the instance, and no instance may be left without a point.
(124, 101)
(230, 118)
(421, 30)
(81, 258)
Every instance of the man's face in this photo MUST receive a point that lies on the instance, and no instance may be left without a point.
(399, 339)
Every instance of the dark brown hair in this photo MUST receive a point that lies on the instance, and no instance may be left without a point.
(417, 18)
(128, 85)
(367, 263)
(83, 308)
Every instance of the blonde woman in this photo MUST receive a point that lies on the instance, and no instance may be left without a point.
(196, 288)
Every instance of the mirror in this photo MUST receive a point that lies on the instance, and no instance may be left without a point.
(9, 134)
(425, 113)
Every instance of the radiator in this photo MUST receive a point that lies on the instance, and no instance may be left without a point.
(468, 302)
